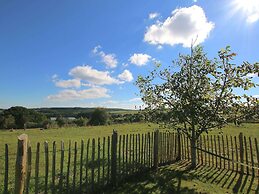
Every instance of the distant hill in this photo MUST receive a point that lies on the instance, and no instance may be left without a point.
(74, 111)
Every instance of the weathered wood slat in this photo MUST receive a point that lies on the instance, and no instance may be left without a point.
(235, 140)
(81, 166)
(29, 163)
(252, 156)
(53, 178)
(103, 163)
(61, 174)
(211, 144)
(127, 150)
(109, 160)
(68, 167)
(208, 143)
(87, 166)
(37, 162)
(46, 149)
(98, 162)
(75, 168)
(241, 149)
(246, 154)
(123, 156)
(205, 147)
(219, 144)
(20, 165)
(228, 156)
(93, 166)
(232, 151)
(6, 169)
(119, 159)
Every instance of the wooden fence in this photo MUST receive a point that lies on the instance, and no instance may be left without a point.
(96, 164)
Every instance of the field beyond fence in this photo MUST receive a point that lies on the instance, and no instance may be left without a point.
(96, 164)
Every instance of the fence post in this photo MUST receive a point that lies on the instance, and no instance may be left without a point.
(241, 152)
(179, 145)
(21, 159)
(156, 134)
(6, 169)
(114, 158)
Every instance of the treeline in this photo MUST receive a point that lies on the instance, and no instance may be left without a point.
(23, 118)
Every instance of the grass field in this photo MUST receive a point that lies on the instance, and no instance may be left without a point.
(77, 134)
(177, 178)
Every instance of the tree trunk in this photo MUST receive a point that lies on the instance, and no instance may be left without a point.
(193, 149)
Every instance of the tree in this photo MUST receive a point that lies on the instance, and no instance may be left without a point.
(60, 121)
(99, 117)
(7, 122)
(80, 122)
(24, 117)
(196, 94)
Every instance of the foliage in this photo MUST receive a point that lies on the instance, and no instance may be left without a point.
(20, 117)
(200, 95)
(81, 122)
(99, 117)
(60, 121)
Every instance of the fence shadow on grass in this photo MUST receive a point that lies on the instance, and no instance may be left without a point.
(164, 180)
(227, 179)
(171, 178)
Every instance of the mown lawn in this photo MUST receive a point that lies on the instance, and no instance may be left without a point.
(177, 178)
(79, 133)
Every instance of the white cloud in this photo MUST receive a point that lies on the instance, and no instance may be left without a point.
(108, 59)
(251, 75)
(139, 59)
(153, 15)
(71, 83)
(91, 93)
(182, 27)
(126, 75)
(250, 9)
(256, 96)
(135, 100)
(93, 76)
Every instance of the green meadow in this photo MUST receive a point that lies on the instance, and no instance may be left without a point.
(190, 183)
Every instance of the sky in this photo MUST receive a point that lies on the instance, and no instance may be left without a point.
(89, 53)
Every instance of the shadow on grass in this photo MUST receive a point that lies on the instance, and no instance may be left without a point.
(181, 179)
(164, 180)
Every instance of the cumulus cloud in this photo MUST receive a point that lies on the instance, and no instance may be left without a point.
(71, 83)
(108, 59)
(252, 75)
(139, 59)
(69, 94)
(135, 100)
(250, 9)
(182, 27)
(153, 15)
(93, 76)
(126, 75)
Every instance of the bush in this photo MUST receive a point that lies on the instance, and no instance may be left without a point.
(99, 117)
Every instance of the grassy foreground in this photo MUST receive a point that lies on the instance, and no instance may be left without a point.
(176, 178)
(152, 182)
(79, 133)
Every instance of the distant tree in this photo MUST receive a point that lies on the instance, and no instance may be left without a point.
(196, 95)
(7, 122)
(99, 117)
(80, 122)
(25, 117)
(60, 121)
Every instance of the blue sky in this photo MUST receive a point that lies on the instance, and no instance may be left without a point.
(89, 53)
